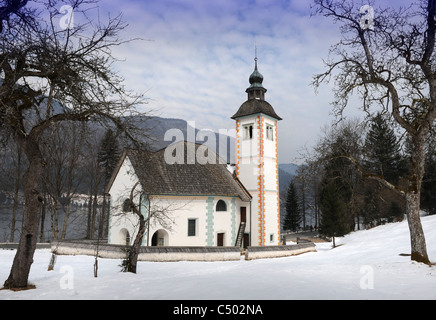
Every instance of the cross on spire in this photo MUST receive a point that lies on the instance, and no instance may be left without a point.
(255, 52)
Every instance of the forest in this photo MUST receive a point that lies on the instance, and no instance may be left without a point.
(80, 159)
(330, 190)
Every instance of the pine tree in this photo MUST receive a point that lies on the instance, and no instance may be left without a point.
(428, 191)
(395, 212)
(293, 211)
(333, 217)
(371, 209)
(383, 150)
(109, 154)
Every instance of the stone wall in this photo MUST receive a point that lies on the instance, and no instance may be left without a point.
(148, 253)
(166, 254)
(14, 245)
(278, 251)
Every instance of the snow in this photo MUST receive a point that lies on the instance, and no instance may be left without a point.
(367, 265)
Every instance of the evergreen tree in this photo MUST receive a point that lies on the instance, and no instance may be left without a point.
(371, 209)
(395, 212)
(109, 154)
(428, 191)
(333, 214)
(293, 211)
(383, 150)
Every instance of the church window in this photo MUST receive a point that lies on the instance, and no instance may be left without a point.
(271, 237)
(269, 132)
(127, 206)
(248, 132)
(192, 227)
(221, 205)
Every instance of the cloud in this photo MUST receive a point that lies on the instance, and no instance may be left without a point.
(197, 64)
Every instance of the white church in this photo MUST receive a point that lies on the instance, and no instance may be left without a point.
(193, 203)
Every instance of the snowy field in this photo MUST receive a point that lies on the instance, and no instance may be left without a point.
(367, 265)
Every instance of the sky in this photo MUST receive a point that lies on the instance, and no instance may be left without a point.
(196, 58)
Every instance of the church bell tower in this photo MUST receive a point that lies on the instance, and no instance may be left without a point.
(257, 161)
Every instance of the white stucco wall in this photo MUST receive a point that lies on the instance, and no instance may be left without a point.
(252, 155)
(119, 221)
(209, 222)
(173, 231)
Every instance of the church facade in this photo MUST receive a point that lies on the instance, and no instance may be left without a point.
(192, 203)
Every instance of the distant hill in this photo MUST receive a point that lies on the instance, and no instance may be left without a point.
(290, 168)
(159, 126)
(223, 145)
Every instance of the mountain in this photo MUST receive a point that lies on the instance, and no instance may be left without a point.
(223, 145)
(165, 131)
(290, 168)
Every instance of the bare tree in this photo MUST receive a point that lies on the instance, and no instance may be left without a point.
(63, 153)
(53, 73)
(9, 8)
(94, 180)
(157, 213)
(387, 57)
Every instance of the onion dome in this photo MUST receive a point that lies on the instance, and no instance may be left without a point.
(256, 98)
(256, 89)
(256, 78)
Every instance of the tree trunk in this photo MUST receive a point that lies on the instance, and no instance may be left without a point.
(23, 260)
(417, 237)
(134, 250)
(54, 218)
(88, 226)
(43, 210)
(16, 195)
(66, 216)
(94, 213)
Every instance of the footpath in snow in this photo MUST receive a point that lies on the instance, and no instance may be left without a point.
(367, 265)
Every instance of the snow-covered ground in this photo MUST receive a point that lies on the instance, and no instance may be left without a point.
(366, 266)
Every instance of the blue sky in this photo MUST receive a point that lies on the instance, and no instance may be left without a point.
(201, 53)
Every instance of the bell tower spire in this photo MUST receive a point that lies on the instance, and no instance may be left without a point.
(255, 54)
(256, 89)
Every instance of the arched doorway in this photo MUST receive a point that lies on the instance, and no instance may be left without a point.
(159, 238)
(124, 237)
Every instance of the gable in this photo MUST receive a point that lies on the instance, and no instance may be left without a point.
(123, 178)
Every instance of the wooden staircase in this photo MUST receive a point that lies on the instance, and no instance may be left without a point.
(241, 231)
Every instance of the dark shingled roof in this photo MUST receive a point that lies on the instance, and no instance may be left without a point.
(254, 106)
(159, 178)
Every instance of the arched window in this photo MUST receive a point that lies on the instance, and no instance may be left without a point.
(124, 237)
(221, 205)
(127, 207)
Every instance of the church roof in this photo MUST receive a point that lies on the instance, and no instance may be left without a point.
(254, 106)
(157, 177)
